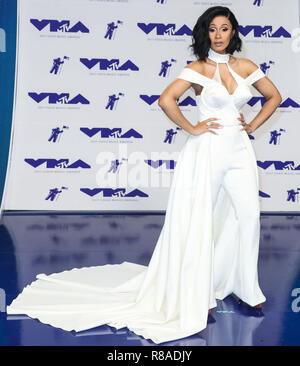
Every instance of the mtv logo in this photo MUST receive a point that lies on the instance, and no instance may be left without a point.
(162, 29)
(263, 31)
(59, 25)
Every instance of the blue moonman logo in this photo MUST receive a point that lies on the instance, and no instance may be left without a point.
(54, 98)
(54, 194)
(170, 135)
(115, 165)
(275, 136)
(169, 164)
(265, 66)
(55, 134)
(111, 27)
(59, 26)
(264, 31)
(110, 192)
(165, 29)
(293, 195)
(257, 2)
(111, 65)
(165, 66)
(112, 101)
(58, 64)
(54, 163)
(2, 40)
(106, 132)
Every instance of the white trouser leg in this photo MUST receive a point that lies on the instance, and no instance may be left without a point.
(232, 168)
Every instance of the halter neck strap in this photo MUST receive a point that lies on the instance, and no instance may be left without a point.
(218, 57)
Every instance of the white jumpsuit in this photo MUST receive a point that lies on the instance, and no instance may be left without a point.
(206, 250)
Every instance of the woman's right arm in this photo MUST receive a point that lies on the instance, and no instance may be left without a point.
(168, 103)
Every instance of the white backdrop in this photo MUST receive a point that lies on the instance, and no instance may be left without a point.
(88, 76)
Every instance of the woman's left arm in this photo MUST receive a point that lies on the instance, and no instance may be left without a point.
(273, 99)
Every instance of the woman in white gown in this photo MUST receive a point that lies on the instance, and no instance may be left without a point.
(208, 246)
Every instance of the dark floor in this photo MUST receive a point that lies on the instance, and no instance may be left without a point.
(32, 244)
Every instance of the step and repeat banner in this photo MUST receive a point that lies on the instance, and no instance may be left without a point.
(88, 133)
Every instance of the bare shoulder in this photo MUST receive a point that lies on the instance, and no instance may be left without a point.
(247, 65)
(196, 65)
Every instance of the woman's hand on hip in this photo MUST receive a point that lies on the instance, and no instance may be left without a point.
(247, 127)
(205, 126)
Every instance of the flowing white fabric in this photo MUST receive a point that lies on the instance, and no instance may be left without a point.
(196, 257)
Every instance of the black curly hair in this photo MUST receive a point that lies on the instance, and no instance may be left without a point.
(200, 37)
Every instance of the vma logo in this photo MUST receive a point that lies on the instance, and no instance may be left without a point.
(288, 102)
(105, 64)
(150, 99)
(55, 98)
(161, 29)
(259, 31)
(278, 165)
(105, 132)
(110, 192)
(169, 164)
(54, 163)
(59, 26)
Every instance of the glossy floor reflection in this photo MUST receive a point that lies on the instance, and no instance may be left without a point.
(33, 244)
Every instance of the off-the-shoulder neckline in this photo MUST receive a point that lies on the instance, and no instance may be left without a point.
(211, 79)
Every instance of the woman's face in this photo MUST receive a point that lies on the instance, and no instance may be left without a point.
(220, 32)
